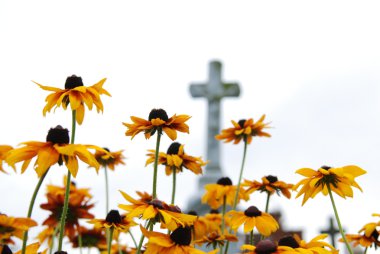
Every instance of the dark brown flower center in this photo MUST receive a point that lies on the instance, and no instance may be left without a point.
(272, 179)
(174, 208)
(173, 148)
(265, 247)
(224, 181)
(241, 123)
(252, 211)
(214, 211)
(105, 162)
(288, 241)
(113, 217)
(375, 235)
(6, 250)
(192, 212)
(181, 236)
(58, 135)
(60, 252)
(158, 113)
(157, 204)
(326, 167)
(73, 81)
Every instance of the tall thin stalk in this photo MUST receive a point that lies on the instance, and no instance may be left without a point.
(154, 194)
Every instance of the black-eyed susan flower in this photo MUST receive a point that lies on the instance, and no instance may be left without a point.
(253, 218)
(200, 226)
(368, 235)
(4, 149)
(179, 242)
(14, 226)
(110, 159)
(78, 208)
(114, 220)
(74, 190)
(216, 239)
(75, 94)
(315, 246)
(170, 216)
(339, 180)
(56, 149)
(94, 237)
(216, 193)
(176, 159)
(159, 121)
(244, 130)
(269, 184)
(267, 247)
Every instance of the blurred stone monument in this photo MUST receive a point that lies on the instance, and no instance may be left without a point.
(214, 90)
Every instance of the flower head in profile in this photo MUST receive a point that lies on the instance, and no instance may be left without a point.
(315, 246)
(114, 220)
(267, 247)
(223, 189)
(158, 121)
(94, 237)
(169, 216)
(56, 149)
(179, 242)
(176, 159)
(109, 159)
(244, 130)
(4, 149)
(75, 94)
(269, 184)
(367, 236)
(14, 226)
(78, 208)
(339, 180)
(216, 239)
(253, 218)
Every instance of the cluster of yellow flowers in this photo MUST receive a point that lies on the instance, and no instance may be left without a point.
(178, 232)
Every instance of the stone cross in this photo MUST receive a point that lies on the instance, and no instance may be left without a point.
(214, 90)
(331, 231)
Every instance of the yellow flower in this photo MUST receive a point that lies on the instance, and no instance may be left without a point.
(368, 235)
(253, 218)
(75, 94)
(175, 159)
(115, 221)
(223, 189)
(267, 247)
(109, 159)
(32, 249)
(12, 226)
(4, 149)
(56, 149)
(94, 237)
(170, 216)
(340, 180)
(178, 242)
(315, 246)
(216, 239)
(269, 184)
(244, 129)
(158, 121)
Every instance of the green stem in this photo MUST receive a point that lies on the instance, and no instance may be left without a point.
(109, 244)
(30, 210)
(142, 239)
(251, 237)
(240, 175)
(174, 184)
(267, 203)
(154, 194)
(133, 238)
(52, 239)
(338, 220)
(67, 191)
(80, 243)
(223, 221)
(64, 211)
(107, 194)
(365, 250)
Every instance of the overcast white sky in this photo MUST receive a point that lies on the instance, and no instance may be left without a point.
(311, 67)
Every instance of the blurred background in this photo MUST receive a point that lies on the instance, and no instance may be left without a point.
(311, 67)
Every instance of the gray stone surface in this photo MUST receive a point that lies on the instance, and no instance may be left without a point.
(214, 90)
